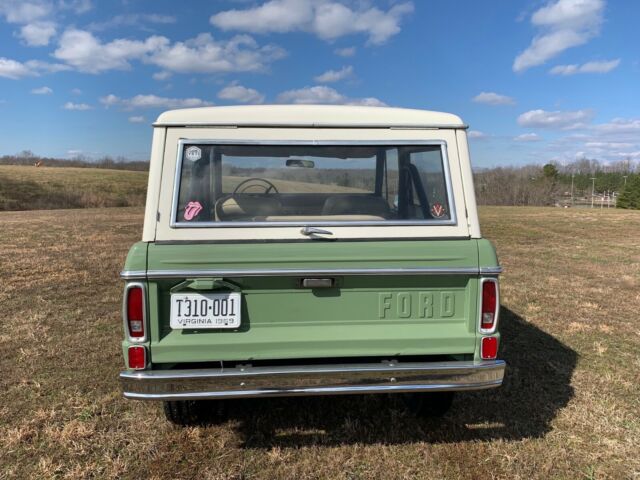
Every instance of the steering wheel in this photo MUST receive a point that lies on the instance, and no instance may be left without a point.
(245, 185)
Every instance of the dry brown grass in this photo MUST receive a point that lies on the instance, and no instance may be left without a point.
(569, 408)
(30, 188)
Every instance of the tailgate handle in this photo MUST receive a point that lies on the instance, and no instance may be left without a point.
(317, 283)
(205, 284)
(311, 231)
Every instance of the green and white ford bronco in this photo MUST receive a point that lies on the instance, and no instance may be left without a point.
(309, 250)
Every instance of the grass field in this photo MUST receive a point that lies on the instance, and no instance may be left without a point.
(569, 407)
(31, 188)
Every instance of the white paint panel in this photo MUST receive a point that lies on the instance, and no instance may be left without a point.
(467, 184)
(153, 186)
(173, 135)
(308, 116)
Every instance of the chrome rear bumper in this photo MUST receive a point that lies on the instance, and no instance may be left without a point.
(247, 381)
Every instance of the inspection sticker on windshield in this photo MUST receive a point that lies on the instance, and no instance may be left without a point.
(193, 153)
(205, 310)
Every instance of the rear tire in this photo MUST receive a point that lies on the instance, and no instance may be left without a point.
(429, 405)
(194, 412)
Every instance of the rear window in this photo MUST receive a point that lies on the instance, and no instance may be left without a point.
(220, 184)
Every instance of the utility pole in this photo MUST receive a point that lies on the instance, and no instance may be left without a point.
(625, 180)
(593, 188)
(572, 175)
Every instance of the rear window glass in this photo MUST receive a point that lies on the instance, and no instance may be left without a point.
(311, 184)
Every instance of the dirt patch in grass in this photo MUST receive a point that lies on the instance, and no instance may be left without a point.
(568, 409)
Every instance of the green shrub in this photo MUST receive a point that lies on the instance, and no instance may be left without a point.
(630, 195)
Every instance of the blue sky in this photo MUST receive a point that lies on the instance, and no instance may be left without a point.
(536, 80)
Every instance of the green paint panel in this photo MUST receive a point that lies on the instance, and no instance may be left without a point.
(360, 316)
(137, 257)
(315, 254)
(487, 254)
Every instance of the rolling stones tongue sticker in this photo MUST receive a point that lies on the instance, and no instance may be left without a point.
(192, 210)
(437, 210)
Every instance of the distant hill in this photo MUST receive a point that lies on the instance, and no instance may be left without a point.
(33, 188)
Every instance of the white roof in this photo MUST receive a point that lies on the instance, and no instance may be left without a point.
(309, 116)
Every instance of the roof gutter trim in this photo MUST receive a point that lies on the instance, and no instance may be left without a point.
(314, 125)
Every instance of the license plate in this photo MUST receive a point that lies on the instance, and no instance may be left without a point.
(205, 310)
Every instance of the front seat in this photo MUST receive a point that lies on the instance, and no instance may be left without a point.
(356, 205)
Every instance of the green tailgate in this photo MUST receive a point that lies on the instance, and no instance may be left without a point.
(364, 315)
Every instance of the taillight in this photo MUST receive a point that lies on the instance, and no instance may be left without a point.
(135, 311)
(489, 348)
(489, 306)
(137, 357)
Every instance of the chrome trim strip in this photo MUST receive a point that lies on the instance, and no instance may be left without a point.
(344, 223)
(496, 315)
(415, 126)
(127, 287)
(491, 270)
(174, 223)
(133, 275)
(292, 272)
(247, 381)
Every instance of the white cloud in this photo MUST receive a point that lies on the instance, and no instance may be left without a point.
(491, 98)
(42, 91)
(38, 67)
(37, 17)
(161, 75)
(77, 6)
(562, 120)
(137, 119)
(83, 51)
(563, 24)
(76, 106)
(13, 69)
(76, 91)
(620, 126)
(618, 139)
(151, 101)
(238, 93)
(18, 11)
(203, 54)
(86, 53)
(327, 19)
(589, 67)
(476, 135)
(331, 76)
(609, 145)
(345, 52)
(528, 137)
(139, 20)
(38, 34)
(321, 94)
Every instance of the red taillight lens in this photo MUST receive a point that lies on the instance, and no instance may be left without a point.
(489, 348)
(489, 304)
(137, 357)
(135, 312)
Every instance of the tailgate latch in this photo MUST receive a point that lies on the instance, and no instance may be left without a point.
(317, 282)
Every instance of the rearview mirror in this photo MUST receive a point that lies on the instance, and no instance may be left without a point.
(299, 163)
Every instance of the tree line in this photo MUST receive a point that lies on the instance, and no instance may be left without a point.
(529, 185)
(26, 157)
(555, 183)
